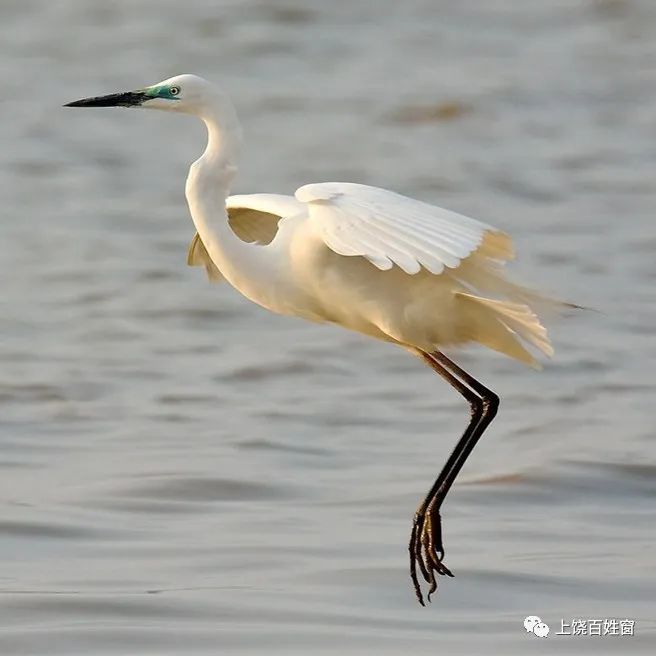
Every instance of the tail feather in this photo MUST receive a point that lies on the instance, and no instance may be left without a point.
(496, 311)
(488, 276)
(521, 320)
(503, 326)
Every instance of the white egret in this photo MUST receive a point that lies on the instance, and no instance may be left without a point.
(371, 260)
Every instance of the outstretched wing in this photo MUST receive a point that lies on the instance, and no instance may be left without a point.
(253, 218)
(387, 228)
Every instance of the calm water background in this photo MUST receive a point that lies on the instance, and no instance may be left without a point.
(183, 473)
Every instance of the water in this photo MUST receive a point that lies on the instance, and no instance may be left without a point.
(183, 473)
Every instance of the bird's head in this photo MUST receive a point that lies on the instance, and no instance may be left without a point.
(183, 93)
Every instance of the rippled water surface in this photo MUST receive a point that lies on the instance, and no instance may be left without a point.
(183, 473)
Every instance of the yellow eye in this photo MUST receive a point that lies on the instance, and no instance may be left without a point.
(174, 91)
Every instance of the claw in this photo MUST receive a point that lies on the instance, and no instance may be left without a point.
(418, 529)
(433, 588)
(427, 551)
(412, 548)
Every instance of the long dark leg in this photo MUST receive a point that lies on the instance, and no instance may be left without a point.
(426, 548)
(490, 404)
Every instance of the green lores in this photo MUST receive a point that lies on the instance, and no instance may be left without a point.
(163, 91)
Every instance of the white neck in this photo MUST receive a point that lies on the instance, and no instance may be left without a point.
(247, 267)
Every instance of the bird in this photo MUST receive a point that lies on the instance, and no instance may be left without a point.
(374, 261)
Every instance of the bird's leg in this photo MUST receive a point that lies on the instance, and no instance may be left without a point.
(490, 404)
(426, 546)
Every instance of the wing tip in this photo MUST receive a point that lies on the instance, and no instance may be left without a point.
(497, 245)
(197, 255)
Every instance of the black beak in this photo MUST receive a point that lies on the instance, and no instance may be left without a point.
(127, 99)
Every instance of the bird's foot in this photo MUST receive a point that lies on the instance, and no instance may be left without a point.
(427, 551)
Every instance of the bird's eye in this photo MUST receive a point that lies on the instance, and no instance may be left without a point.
(174, 91)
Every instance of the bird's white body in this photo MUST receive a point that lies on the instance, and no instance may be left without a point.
(368, 259)
(365, 258)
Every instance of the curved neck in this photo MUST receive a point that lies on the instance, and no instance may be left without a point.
(224, 137)
(246, 267)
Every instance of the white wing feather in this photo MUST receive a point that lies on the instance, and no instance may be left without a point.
(254, 218)
(278, 204)
(387, 228)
